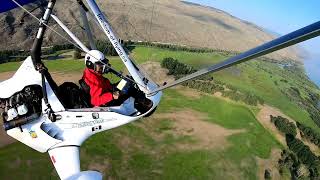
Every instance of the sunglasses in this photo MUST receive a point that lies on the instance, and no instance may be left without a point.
(102, 66)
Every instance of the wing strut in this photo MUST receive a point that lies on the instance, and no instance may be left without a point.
(65, 28)
(83, 12)
(290, 39)
(104, 24)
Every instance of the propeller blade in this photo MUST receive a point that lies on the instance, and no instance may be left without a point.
(290, 39)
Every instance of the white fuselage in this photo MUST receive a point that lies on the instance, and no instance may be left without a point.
(73, 126)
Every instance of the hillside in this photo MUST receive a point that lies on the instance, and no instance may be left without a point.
(167, 21)
(192, 135)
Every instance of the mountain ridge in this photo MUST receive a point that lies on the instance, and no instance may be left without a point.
(176, 22)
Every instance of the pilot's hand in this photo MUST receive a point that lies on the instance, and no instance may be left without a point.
(115, 95)
(40, 67)
(2, 103)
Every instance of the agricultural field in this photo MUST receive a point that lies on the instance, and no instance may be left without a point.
(192, 135)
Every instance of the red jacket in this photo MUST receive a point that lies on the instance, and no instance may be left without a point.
(100, 87)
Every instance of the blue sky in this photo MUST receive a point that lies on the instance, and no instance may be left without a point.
(281, 16)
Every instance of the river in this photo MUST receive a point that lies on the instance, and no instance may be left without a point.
(312, 67)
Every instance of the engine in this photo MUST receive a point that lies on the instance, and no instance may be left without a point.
(22, 107)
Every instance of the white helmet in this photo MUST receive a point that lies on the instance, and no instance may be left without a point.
(95, 57)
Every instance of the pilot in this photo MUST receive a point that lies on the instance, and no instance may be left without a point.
(101, 90)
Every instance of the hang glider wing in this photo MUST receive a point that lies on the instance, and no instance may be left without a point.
(7, 5)
(290, 39)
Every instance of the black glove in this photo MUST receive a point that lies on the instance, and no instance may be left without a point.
(2, 103)
(41, 67)
(110, 70)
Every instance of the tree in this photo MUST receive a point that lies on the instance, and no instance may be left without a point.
(304, 153)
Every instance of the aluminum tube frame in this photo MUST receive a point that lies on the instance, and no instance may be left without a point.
(134, 72)
(66, 29)
(290, 39)
(86, 25)
(36, 47)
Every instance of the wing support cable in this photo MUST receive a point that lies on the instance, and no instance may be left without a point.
(45, 24)
(36, 55)
(84, 48)
(104, 24)
(290, 39)
(73, 37)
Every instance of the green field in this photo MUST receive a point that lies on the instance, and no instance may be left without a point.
(149, 148)
(257, 77)
(146, 155)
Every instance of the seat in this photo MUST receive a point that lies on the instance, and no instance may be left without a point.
(85, 95)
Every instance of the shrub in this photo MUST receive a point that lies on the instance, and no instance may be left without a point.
(207, 84)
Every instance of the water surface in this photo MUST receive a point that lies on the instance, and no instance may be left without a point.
(312, 66)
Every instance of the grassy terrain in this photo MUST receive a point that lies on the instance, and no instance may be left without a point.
(64, 65)
(136, 152)
(143, 54)
(146, 157)
(258, 77)
(261, 83)
(18, 161)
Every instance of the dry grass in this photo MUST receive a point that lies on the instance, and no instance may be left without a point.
(172, 22)
(271, 164)
(264, 118)
(191, 123)
(156, 72)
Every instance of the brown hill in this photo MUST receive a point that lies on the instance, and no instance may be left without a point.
(167, 21)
